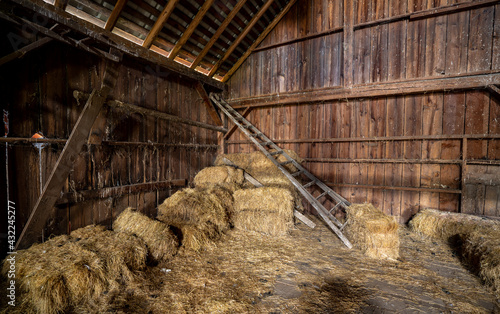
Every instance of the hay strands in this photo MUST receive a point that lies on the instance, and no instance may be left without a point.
(308, 222)
(268, 147)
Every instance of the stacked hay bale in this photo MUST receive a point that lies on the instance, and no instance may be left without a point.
(162, 243)
(477, 239)
(373, 232)
(70, 270)
(266, 209)
(201, 214)
(227, 177)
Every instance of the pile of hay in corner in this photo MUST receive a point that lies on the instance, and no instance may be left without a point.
(481, 252)
(160, 240)
(225, 176)
(446, 225)
(68, 271)
(266, 209)
(372, 231)
(201, 215)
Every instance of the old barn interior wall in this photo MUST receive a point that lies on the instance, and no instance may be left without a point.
(139, 156)
(430, 163)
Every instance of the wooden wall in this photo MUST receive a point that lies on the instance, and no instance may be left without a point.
(425, 167)
(37, 93)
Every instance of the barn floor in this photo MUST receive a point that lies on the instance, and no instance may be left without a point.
(310, 271)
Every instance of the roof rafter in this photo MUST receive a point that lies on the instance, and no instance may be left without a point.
(259, 40)
(113, 17)
(189, 31)
(61, 4)
(243, 34)
(219, 32)
(160, 22)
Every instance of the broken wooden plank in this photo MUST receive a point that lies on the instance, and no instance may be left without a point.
(44, 208)
(160, 115)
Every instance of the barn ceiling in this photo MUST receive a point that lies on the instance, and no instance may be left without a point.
(211, 37)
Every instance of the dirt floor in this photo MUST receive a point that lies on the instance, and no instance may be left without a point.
(310, 271)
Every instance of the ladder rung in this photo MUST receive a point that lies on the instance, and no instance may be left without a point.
(333, 208)
(286, 162)
(297, 173)
(256, 134)
(321, 195)
(276, 152)
(309, 184)
(266, 143)
(248, 126)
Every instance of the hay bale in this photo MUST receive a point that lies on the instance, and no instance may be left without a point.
(202, 213)
(257, 161)
(375, 233)
(446, 225)
(481, 252)
(160, 240)
(278, 180)
(225, 176)
(267, 209)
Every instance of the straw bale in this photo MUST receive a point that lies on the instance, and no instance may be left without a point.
(446, 225)
(204, 214)
(228, 177)
(481, 252)
(375, 233)
(160, 240)
(257, 160)
(266, 209)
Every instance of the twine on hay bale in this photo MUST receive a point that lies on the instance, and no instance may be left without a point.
(201, 215)
(225, 176)
(481, 252)
(375, 233)
(266, 209)
(160, 240)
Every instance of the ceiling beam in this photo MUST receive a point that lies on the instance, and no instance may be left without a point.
(189, 31)
(219, 32)
(261, 37)
(113, 17)
(243, 34)
(102, 36)
(61, 4)
(162, 19)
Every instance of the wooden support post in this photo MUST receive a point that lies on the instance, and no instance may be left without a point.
(44, 208)
(494, 90)
(208, 104)
(348, 42)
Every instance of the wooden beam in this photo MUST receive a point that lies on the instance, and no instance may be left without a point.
(494, 90)
(149, 112)
(162, 19)
(235, 127)
(102, 36)
(463, 184)
(397, 188)
(113, 17)
(454, 8)
(261, 37)
(61, 4)
(21, 52)
(44, 207)
(348, 42)
(380, 89)
(208, 104)
(382, 161)
(189, 31)
(217, 34)
(380, 139)
(243, 34)
(118, 191)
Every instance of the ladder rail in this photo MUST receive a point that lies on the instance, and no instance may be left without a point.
(331, 221)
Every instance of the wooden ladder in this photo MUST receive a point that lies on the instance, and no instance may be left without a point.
(270, 149)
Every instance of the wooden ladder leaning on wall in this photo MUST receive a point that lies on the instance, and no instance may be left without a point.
(270, 149)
